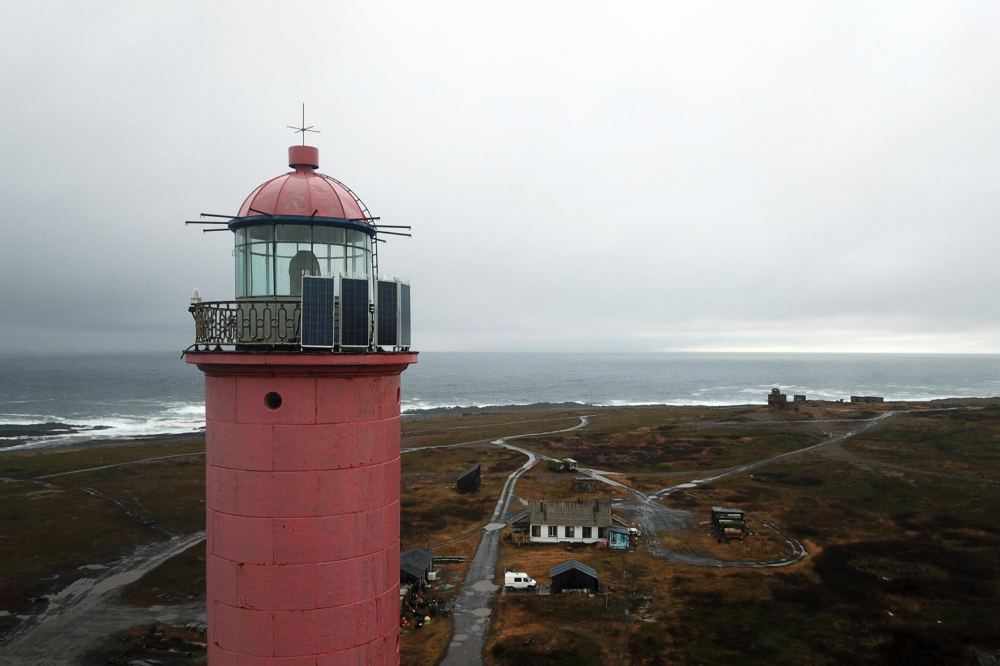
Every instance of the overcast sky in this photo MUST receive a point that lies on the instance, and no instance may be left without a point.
(580, 176)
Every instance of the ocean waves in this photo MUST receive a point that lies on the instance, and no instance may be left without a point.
(55, 400)
(26, 431)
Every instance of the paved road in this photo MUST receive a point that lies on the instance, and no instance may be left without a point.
(472, 607)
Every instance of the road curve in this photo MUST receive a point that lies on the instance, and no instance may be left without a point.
(472, 606)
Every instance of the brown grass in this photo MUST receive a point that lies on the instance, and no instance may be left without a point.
(432, 510)
(425, 646)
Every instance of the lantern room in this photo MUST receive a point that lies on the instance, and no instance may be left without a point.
(306, 230)
(300, 223)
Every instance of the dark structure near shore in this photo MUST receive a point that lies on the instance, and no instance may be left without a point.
(573, 576)
(776, 398)
(470, 480)
(867, 398)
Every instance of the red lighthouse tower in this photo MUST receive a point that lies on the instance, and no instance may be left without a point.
(302, 398)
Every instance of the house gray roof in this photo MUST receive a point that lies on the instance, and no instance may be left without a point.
(571, 564)
(416, 561)
(586, 513)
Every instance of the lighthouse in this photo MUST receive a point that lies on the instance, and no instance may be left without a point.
(302, 406)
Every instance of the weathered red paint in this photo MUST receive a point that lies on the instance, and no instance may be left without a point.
(302, 192)
(303, 508)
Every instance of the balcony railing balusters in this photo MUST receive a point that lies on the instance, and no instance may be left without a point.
(265, 323)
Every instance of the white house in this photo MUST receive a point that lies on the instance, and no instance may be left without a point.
(568, 521)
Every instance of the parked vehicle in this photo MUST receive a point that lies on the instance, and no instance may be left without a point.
(517, 580)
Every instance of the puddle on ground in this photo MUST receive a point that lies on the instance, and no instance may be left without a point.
(455, 645)
(481, 612)
(118, 580)
(484, 586)
(77, 587)
(461, 637)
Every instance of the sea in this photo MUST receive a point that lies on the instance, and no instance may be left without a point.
(50, 400)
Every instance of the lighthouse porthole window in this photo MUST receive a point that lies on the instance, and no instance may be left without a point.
(272, 400)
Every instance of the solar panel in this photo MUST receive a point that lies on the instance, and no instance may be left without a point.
(404, 314)
(317, 311)
(354, 319)
(388, 313)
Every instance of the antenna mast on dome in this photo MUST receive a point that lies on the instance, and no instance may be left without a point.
(302, 128)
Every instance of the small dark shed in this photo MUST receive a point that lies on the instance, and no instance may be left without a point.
(414, 564)
(571, 576)
(470, 480)
(727, 517)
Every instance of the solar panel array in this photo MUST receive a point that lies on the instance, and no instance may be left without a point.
(387, 309)
(317, 311)
(354, 316)
(404, 314)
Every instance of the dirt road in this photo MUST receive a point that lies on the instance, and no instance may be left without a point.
(85, 611)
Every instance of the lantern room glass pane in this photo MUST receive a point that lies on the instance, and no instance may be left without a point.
(260, 234)
(328, 235)
(293, 261)
(358, 257)
(261, 266)
(241, 271)
(298, 233)
(331, 258)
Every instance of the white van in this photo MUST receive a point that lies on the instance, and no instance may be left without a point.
(515, 580)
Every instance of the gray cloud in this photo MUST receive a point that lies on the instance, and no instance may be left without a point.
(580, 176)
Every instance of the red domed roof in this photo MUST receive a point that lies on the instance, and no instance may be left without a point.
(303, 192)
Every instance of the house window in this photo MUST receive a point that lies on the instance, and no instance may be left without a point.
(553, 531)
(602, 532)
(587, 531)
(536, 530)
(570, 532)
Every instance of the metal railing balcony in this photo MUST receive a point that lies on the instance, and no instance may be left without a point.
(264, 323)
